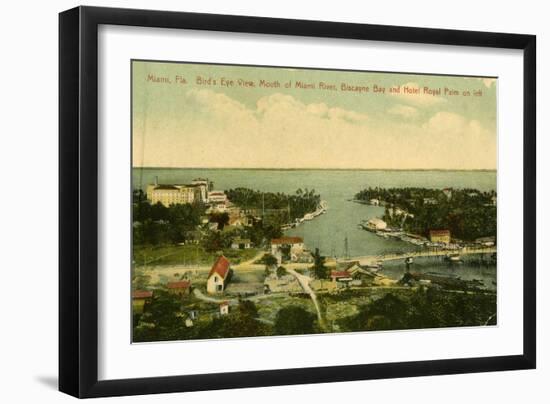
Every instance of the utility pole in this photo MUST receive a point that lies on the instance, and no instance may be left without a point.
(288, 207)
(346, 247)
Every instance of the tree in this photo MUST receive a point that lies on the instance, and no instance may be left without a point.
(141, 280)
(239, 323)
(163, 321)
(247, 308)
(270, 261)
(292, 320)
(319, 268)
(222, 219)
(157, 224)
(387, 216)
(215, 241)
(281, 271)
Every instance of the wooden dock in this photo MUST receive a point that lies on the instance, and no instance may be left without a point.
(374, 259)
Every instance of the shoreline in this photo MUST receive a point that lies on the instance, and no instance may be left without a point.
(321, 209)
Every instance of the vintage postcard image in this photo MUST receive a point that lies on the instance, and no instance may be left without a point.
(273, 201)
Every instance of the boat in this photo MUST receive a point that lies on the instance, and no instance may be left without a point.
(308, 216)
(453, 257)
(373, 267)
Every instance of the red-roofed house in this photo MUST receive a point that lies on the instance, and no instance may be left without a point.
(139, 298)
(142, 294)
(440, 236)
(287, 248)
(179, 288)
(219, 276)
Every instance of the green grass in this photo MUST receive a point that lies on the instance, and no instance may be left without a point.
(186, 254)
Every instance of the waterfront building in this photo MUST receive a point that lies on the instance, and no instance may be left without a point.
(448, 192)
(287, 248)
(219, 276)
(374, 202)
(356, 271)
(181, 288)
(376, 224)
(340, 278)
(440, 236)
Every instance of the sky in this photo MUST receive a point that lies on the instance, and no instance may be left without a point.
(220, 121)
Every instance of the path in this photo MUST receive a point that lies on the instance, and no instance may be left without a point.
(199, 295)
(249, 265)
(304, 283)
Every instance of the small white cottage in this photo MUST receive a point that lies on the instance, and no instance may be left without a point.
(224, 308)
(218, 276)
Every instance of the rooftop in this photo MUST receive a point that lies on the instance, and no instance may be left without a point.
(220, 267)
(440, 232)
(339, 274)
(287, 240)
(166, 186)
(350, 265)
(241, 240)
(141, 294)
(178, 285)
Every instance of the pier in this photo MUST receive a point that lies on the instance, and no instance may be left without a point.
(374, 259)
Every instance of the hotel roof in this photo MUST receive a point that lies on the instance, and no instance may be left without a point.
(165, 186)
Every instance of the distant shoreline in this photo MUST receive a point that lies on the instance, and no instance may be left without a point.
(317, 169)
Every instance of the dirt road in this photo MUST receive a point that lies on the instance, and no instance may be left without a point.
(304, 283)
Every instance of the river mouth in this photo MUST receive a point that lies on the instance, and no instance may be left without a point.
(336, 232)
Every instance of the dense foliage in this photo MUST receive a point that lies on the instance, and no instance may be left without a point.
(164, 321)
(281, 207)
(293, 320)
(425, 308)
(157, 224)
(467, 213)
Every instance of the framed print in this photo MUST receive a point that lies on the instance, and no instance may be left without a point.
(249, 201)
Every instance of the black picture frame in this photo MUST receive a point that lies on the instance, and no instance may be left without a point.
(78, 196)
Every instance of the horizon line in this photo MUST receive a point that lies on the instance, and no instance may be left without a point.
(311, 169)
